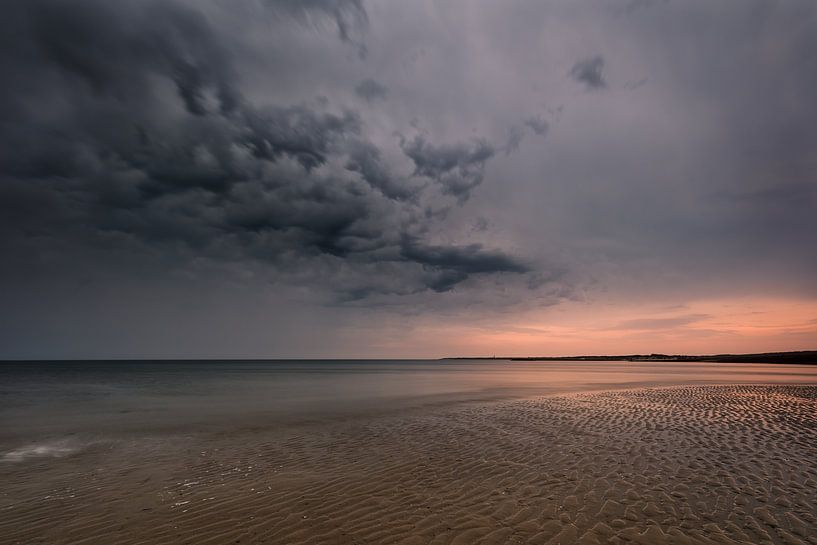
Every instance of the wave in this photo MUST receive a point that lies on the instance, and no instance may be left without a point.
(52, 449)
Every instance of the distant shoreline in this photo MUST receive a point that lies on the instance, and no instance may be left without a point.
(807, 357)
(803, 356)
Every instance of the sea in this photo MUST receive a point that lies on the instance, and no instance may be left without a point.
(44, 405)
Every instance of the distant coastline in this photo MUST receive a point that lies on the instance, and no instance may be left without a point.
(808, 357)
(803, 356)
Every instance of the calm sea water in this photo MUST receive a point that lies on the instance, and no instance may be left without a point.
(56, 399)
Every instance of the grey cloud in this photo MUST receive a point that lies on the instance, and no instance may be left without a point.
(589, 72)
(633, 85)
(515, 136)
(538, 125)
(370, 90)
(349, 16)
(115, 48)
(209, 173)
(295, 131)
(298, 217)
(634, 5)
(443, 280)
(450, 265)
(480, 224)
(366, 159)
(458, 168)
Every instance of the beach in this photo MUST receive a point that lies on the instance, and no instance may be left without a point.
(648, 461)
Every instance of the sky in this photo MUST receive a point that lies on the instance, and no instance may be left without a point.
(360, 178)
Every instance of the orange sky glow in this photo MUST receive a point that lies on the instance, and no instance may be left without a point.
(739, 325)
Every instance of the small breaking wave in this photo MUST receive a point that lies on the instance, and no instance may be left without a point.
(53, 449)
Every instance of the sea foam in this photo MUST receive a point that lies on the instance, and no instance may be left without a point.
(53, 449)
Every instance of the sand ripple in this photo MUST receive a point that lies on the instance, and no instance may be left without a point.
(686, 465)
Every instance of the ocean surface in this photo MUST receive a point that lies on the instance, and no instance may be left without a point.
(53, 400)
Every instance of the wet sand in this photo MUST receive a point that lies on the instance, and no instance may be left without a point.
(682, 465)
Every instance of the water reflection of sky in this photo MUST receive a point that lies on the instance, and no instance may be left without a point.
(81, 397)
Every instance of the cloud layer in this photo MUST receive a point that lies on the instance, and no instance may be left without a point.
(152, 139)
(305, 167)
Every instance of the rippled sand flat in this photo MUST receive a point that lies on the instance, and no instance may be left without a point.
(681, 465)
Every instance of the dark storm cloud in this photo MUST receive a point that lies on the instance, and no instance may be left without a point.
(208, 172)
(450, 265)
(590, 72)
(370, 90)
(114, 47)
(366, 159)
(458, 168)
(297, 132)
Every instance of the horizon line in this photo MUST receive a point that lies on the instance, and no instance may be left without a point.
(441, 358)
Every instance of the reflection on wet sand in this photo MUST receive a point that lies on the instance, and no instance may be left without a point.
(678, 464)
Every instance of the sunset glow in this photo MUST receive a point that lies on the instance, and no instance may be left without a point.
(700, 327)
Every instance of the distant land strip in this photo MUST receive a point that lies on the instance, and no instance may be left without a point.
(803, 356)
